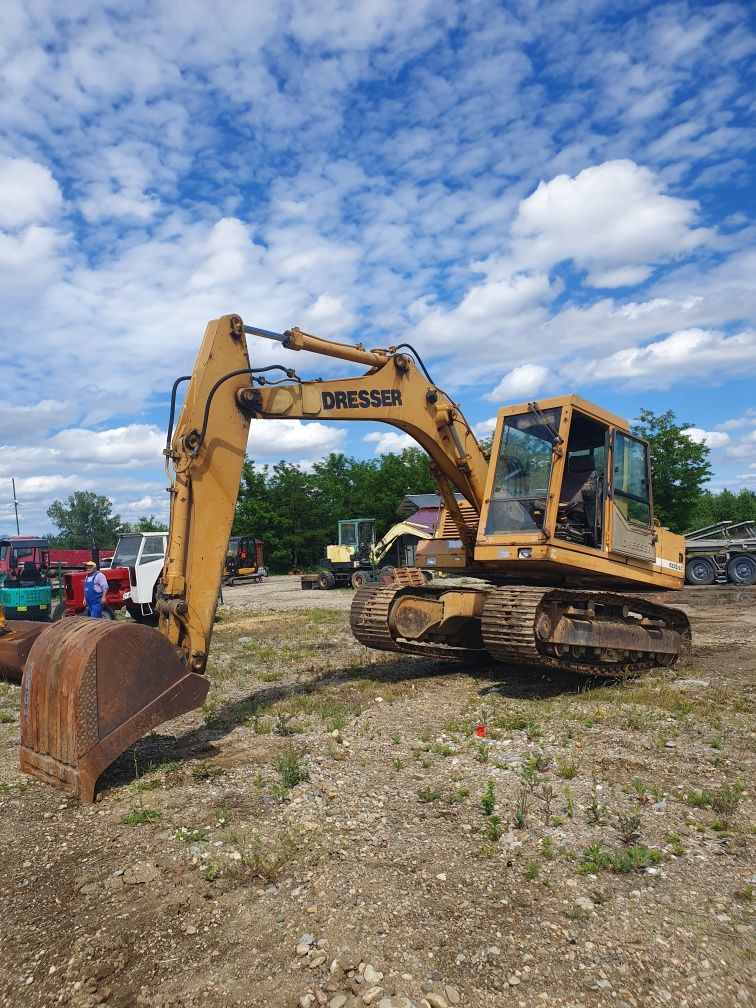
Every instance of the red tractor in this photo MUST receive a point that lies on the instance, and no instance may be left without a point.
(73, 604)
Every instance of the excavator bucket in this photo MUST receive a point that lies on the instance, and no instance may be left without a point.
(16, 639)
(90, 689)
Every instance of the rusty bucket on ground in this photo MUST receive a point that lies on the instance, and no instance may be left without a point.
(90, 689)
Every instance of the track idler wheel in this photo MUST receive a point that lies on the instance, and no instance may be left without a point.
(91, 688)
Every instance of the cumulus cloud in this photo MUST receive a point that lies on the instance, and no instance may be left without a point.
(712, 439)
(519, 383)
(682, 355)
(272, 440)
(612, 219)
(390, 442)
(29, 193)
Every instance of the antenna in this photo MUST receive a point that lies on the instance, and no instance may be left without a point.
(16, 502)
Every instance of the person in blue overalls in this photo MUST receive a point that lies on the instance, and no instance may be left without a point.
(95, 589)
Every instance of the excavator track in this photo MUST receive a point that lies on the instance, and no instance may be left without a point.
(518, 626)
(587, 632)
(369, 620)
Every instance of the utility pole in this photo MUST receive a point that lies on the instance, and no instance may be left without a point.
(15, 504)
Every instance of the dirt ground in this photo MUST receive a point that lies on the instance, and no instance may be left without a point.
(330, 830)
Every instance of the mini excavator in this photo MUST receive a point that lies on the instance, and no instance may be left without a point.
(554, 533)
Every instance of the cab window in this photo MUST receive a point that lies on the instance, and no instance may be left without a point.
(523, 471)
(631, 479)
(153, 549)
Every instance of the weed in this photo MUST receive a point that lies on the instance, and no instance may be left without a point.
(595, 858)
(547, 796)
(595, 810)
(292, 769)
(674, 844)
(512, 721)
(141, 816)
(533, 729)
(520, 817)
(494, 829)
(428, 794)
(567, 767)
(569, 800)
(482, 753)
(268, 859)
(396, 738)
(744, 895)
(641, 791)
(6, 717)
(717, 743)
(628, 826)
(398, 765)
(726, 799)
(190, 836)
(258, 781)
(540, 762)
(547, 848)
(425, 763)
(458, 796)
(698, 799)
(206, 771)
(212, 871)
(531, 872)
(426, 733)
(488, 801)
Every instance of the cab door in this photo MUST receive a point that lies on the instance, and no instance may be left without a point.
(631, 524)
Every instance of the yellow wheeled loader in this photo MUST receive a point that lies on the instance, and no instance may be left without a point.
(559, 524)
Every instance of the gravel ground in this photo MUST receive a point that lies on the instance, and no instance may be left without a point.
(331, 829)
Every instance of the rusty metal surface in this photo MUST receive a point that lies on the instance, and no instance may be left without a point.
(15, 646)
(91, 688)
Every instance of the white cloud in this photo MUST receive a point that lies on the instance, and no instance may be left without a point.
(390, 442)
(612, 219)
(682, 355)
(29, 193)
(272, 440)
(712, 439)
(519, 383)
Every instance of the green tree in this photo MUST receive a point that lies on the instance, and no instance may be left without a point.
(146, 523)
(84, 516)
(680, 467)
(724, 506)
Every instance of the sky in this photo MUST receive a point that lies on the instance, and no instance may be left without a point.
(542, 196)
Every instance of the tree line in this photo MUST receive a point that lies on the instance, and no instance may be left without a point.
(295, 511)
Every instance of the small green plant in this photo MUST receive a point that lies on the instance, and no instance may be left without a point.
(546, 794)
(457, 796)
(258, 781)
(6, 717)
(141, 816)
(595, 858)
(396, 738)
(533, 729)
(522, 804)
(675, 844)
(595, 810)
(641, 791)
(567, 767)
(569, 803)
(425, 734)
(531, 872)
(494, 829)
(488, 801)
(143, 784)
(628, 826)
(726, 799)
(190, 836)
(292, 769)
(482, 753)
(398, 765)
(547, 848)
(428, 794)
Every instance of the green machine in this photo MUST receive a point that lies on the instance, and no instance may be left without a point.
(25, 592)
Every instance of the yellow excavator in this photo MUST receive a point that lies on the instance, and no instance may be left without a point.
(555, 534)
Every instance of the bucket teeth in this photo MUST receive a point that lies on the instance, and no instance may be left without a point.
(91, 688)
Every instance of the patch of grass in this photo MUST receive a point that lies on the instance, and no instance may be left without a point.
(522, 805)
(569, 803)
(292, 768)
(512, 720)
(190, 836)
(674, 843)
(143, 784)
(595, 810)
(566, 767)
(141, 817)
(547, 848)
(596, 858)
(426, 733)
(457, 796)
(6, 717)
(724, 800)
(494, 828)
(532, 871)
(206, 771)
(398, 765)
(428, 794)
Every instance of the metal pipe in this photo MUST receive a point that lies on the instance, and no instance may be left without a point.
(295, 339)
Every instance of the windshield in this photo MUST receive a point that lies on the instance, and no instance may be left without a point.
(126, 551)
(523, 470)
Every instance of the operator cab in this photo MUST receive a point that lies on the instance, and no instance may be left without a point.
(358, 535)
(568, 471)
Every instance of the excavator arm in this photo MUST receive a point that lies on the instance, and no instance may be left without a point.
(91, 688)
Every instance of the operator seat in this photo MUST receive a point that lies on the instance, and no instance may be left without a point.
(578, 495)
(30, 574)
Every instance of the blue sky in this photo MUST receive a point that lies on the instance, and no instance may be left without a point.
(541, 196)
